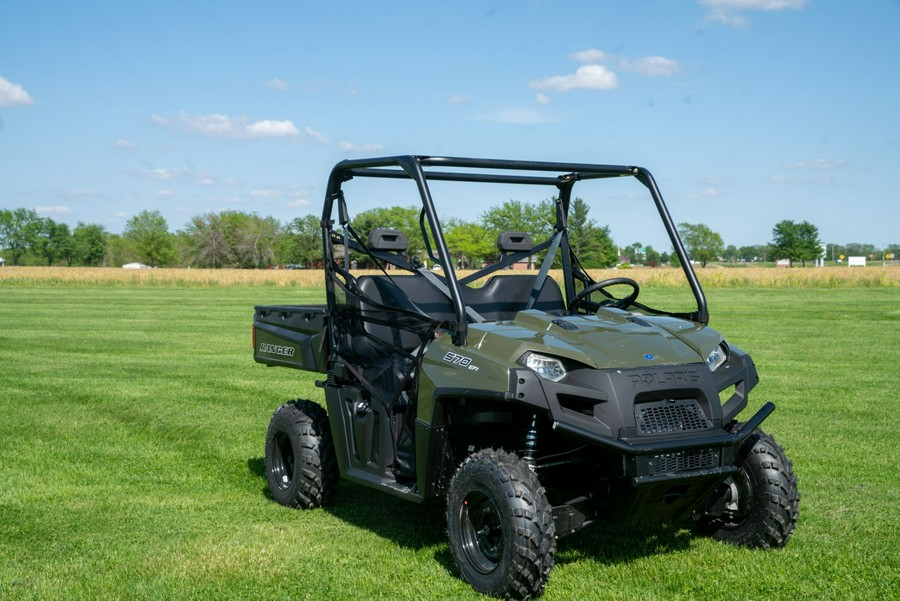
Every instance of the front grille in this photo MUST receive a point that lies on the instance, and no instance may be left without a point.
(669, 416)
(684, 461)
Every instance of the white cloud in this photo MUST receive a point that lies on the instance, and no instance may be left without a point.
(272, 129)
(53, 211)
(706, 193)
(803, 181)
(316, 135)
(817, 164)
(459, 99)
(123, 144)
(13, 95)
(270, 193)
(651, 66)
(541, 98)
(233, 128)
(164, 174)
(768, 5)
(298, 203)
(516, 116)
(350, 147)
(729, 12)
(205, 180)
(164, 194)
(276, 84)
(593, 56)
(587, 77)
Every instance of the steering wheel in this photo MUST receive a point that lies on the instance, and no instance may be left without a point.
(618, 303)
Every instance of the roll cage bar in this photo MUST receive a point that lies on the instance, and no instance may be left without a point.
(421, 169)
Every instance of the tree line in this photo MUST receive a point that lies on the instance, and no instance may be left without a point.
(236, 239)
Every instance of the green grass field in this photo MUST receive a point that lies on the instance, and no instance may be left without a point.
(132, 421)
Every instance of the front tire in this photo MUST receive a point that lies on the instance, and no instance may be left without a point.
(758, 507)
(301, 467)
(500, 526)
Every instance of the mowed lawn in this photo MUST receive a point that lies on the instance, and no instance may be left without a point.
(132, 421)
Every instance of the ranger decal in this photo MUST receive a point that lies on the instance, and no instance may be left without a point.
(276, 349)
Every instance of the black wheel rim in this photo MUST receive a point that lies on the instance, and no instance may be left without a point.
(282, 460)
(481, 530)
(739, 501)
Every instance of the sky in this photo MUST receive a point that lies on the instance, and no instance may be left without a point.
(747, 112)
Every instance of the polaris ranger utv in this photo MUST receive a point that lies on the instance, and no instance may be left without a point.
(535, 402)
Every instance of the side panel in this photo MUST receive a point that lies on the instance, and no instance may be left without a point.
(290, 336)
(362, 441)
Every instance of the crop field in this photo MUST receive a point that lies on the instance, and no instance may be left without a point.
(832, 277)
(132, 420)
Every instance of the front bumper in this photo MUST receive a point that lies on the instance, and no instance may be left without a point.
(666, 422)
(645, 456)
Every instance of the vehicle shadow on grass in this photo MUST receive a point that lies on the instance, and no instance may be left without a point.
(421, 526)
(408, 524)
(610, 544)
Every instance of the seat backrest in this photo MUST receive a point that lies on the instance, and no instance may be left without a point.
(397, 291)
(503, 296)
(500, 298)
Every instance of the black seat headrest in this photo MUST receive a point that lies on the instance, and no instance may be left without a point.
(509, 242)
(387, 239)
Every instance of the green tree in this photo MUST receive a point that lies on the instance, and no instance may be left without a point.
(592, 244)
(469, 243)
(635, 253)
(230, 239)
(652, 256)
(674, 261)
(54, 241)
(119, 250)
(19, 230)
(748, 253)
(5, 227)
(251, 238)
(89, 244)
(856, 249)
(796, 241)
(702, 244)
(206, 241)
(730, 253)
(302, 241)
(538, 220)
(405, 219)
(515, 216)
(148, 233)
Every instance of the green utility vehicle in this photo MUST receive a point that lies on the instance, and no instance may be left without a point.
(534, 402)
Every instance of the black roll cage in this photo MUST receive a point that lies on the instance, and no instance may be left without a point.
(421, 169)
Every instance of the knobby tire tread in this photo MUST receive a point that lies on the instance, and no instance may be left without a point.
(315, 476)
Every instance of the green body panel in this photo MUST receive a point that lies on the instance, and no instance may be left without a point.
(610, 339)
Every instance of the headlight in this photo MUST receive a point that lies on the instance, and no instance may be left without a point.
(717, 357)
(546, 367)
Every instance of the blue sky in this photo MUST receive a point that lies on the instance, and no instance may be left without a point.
(746, 111)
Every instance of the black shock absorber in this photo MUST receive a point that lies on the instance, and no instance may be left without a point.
(529, 453)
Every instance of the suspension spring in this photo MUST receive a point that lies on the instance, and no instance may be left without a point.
(529, 453)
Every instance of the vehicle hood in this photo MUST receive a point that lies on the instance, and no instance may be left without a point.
(609, 339)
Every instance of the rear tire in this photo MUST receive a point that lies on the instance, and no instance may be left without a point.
(500, 526)
(301, 467)
(758, 507)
